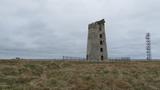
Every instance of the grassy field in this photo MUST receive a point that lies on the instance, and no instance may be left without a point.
(63, 75)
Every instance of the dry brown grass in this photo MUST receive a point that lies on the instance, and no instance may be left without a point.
(65, 75)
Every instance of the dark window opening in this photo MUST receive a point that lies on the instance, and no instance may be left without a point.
(100, 35)
(101, 42)
(101, 49)
(100, 28)
(87, 57)
(102, 57)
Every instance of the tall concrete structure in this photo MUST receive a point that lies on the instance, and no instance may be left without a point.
(96, 46)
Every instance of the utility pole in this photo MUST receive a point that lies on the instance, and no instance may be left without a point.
(148, 47)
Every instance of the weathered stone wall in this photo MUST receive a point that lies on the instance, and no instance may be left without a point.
(96, 46)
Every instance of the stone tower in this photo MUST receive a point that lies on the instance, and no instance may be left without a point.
(96, 46)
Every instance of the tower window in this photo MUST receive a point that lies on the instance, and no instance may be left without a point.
(102, 57)
(101, 42)
(100, 29)
(100, 35)
(101, 49)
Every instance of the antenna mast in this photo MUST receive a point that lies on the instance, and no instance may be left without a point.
(148, 47)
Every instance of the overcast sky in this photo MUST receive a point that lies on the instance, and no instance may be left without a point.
(56, 28)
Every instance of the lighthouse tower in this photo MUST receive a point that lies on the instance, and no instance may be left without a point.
(96, 46)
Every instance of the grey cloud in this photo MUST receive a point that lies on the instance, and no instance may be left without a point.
(52, 28)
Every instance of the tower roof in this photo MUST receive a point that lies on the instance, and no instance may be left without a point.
(101, 21)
